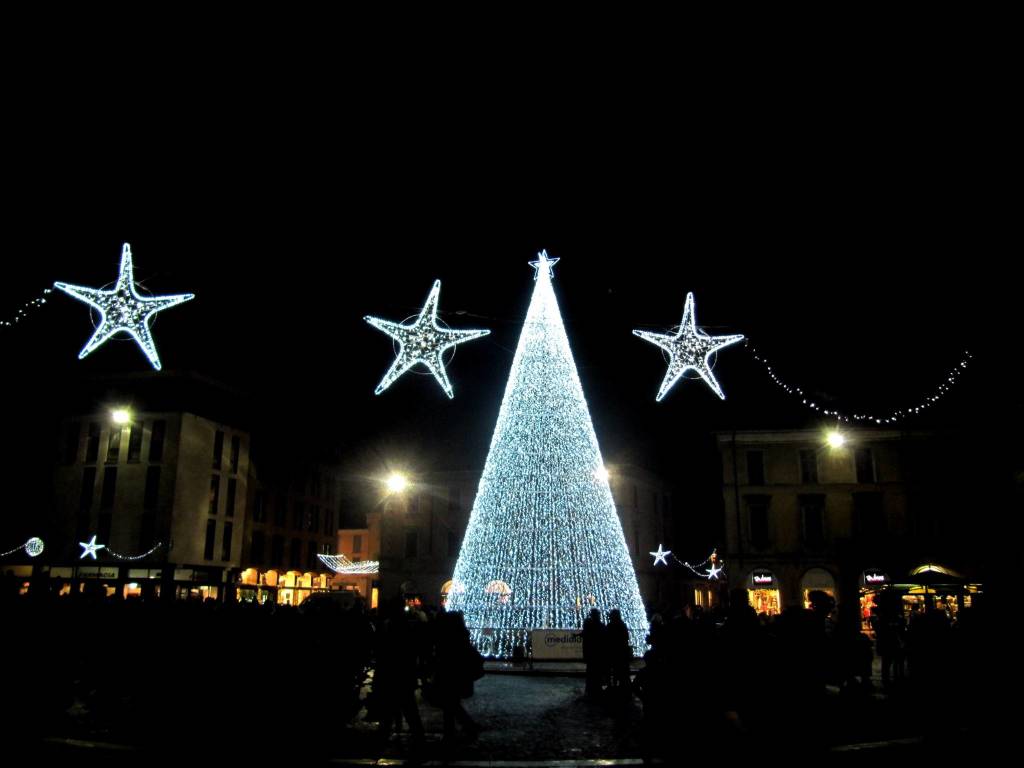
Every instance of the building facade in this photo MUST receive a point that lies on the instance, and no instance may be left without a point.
(803, 515)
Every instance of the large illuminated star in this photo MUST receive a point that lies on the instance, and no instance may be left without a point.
(422, 341)
(89, 548)
(122, 309)
(712, 573)
(689, 349)
(660, 555)
(545, 263)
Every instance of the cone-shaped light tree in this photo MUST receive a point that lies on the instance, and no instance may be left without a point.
(544, 544)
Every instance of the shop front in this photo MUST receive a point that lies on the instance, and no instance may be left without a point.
(763, 592)
(928, 587)
(817, 580)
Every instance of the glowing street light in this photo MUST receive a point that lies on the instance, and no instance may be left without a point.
(835, 440)
(121, 416)
(396, 482)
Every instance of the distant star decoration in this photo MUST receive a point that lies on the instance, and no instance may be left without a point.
(689, 349)
(122, 309)
(90, 548)
(422, 341)
(660, 555)
(713, 572)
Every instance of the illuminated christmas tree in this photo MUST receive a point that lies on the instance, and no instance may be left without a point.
(544, 544)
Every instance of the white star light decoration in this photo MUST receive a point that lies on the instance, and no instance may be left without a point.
(713, 571)
(660, 555)
(422, 341)
(689, 349)
(89, 548)
(122, 309)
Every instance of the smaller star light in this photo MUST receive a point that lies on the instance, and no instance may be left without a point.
(123, 309)
(544, 263)
(713, 571)
(689, 349)
(422, 341)
(34, 546)
(90, 548)
(660, 555)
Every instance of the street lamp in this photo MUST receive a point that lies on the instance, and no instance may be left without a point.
(396, 482)
(121, 416)
(835, 439)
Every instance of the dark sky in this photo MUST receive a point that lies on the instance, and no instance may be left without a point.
(858, 239)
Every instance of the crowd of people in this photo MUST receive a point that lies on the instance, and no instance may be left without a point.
(176, 675)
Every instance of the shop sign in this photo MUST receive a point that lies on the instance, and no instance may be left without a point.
(557, 643)
(762, 579)
(874, 577)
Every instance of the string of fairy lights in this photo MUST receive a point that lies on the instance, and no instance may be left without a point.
(715, 568)
(952, 377)
(26, 309)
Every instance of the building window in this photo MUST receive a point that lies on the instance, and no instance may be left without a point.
(225, 545)
(147, 531)
(757, 517)
(258, 510)
(92, 443)
(256, 553)
(71, 439)
(218, 448)
(152, 493)
(135, 443)
(812, 511)
(109, 487)
(156, 441)
(809, 466)
(280, 510)
(357, 543)
(277, 551)
(214, 494)
(865, 465)
(312, 561)
(104, 527)
(868, 516)
(229, 507)
(298, 515)
(755, 467)
(314, 517)
(113, 445)
(296, 559)
(411, 542)
(236, 448)
(211, 535)
(88, 489)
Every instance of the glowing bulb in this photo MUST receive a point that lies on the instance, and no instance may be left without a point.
(835, 440)
(396, 483)
(601, 473)
(121, 415)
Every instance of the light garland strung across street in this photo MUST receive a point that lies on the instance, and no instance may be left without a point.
(689, 349)
(145, 554)
(341, 564)
(123, 309)
(422, 341)
(33, 548)
(544, 543)
(886, 418)
(27, 307)
(714, 569)
(90, 548)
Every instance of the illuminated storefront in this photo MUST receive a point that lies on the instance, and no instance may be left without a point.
(817, 580)
(763, 592)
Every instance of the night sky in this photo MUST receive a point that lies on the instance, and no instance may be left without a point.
(861, 258)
